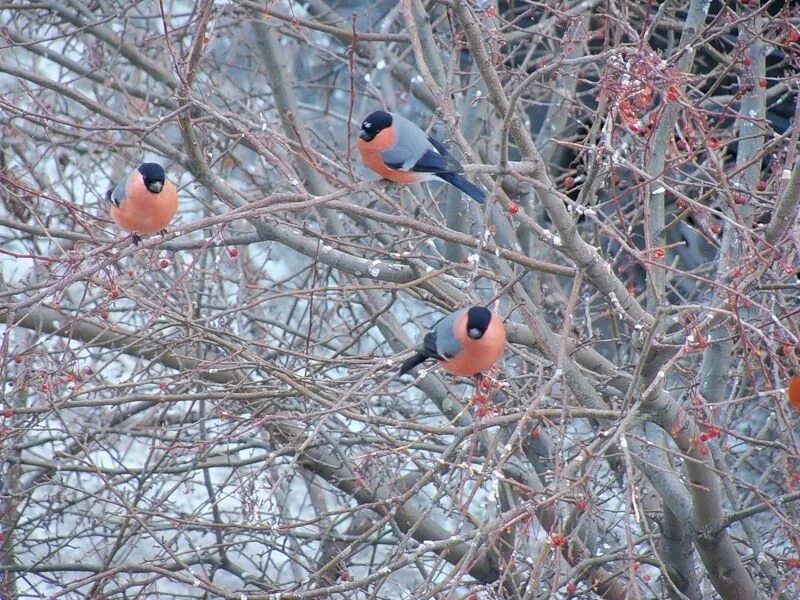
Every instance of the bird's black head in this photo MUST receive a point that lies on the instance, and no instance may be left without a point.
(153, 176)
(478, 318)
(374, 124)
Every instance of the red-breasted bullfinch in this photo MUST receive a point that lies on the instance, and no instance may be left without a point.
(465, 342)
(145, 202)
(399, 151)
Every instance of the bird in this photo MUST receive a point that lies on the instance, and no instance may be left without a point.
(465, 342)
(145, 202)
(398, 150)
(793, 392)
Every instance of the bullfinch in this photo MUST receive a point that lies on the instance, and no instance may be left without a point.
(398, 150)
(145, 202)
(465, 342)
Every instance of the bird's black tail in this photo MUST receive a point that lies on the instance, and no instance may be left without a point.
(412, 362)
(469, 188)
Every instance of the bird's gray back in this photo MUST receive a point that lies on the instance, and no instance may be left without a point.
(411, 143)
(447, 345)
(117, 195)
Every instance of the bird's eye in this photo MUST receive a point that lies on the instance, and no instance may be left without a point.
(366, 125)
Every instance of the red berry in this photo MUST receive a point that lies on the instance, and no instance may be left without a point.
(704, 451)
(658, 253)
(233, 252)
(703, 437)
(762, 83)
(513, 208)
(163, 263)
(569, 182)
(557, 539)
(747, 61)
(716, 229)
(8, 412)
(740, 199)
(104, 315)
(580, 505)
(18, 358)
(712, 143)
(761, 185)
(570, 589)
(672, 93)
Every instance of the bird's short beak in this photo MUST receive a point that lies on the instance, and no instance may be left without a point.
(365, 136)
(156, 187)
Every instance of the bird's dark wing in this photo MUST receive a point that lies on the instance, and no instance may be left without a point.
(437, 160)
(117, 194)
(429, 345)
(424, 352)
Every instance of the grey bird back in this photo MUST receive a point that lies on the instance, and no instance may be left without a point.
(117, 195)
(411, 143)
(447, 346)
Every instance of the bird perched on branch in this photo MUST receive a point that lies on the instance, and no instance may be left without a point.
(145, 202)
(398, 150)
(465, 342)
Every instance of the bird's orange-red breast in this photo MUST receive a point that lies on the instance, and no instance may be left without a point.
(145, 202)
(793, 392)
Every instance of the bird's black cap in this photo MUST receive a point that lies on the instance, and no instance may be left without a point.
(478, 319)
(374, 124)
(153, 175)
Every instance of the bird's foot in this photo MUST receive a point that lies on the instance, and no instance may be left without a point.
(137, 239)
